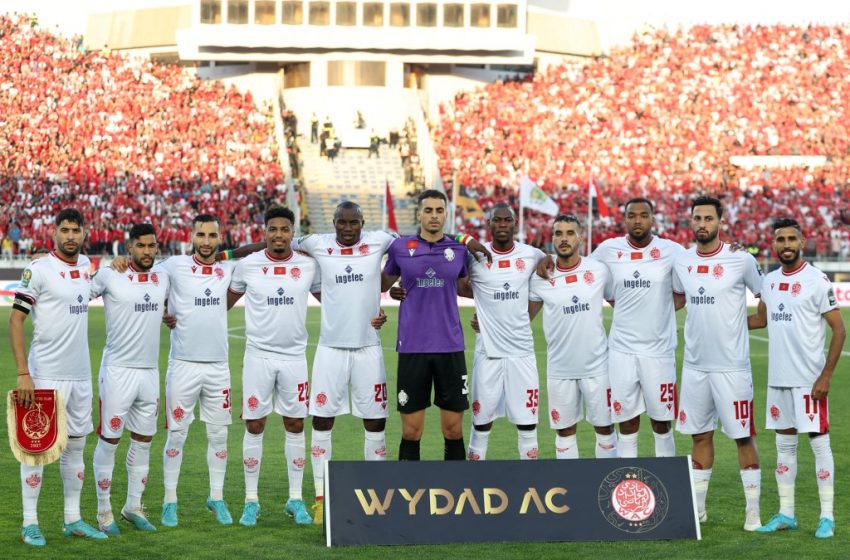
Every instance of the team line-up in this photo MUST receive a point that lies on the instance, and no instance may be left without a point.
(607, 379)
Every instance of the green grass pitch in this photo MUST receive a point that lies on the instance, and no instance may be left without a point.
(276, 536)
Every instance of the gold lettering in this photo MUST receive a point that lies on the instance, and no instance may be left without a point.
(489, 508)
(374, 504)
(530, 496)
(436, 493)
(412, 500)
(551, 504)
(467, 496)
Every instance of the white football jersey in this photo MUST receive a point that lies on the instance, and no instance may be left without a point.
(134, 303)
(276, 292)
(641, 287)
(501, 300)
(796, 302)
(351, 286)
(59, 294)
(715, 288)
(198, 298)
(572, 319)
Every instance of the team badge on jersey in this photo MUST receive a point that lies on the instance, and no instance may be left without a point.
(219, 273)
(655, 253)
(588, 277)
(295, 272)
(796, 288)
(717, 272)
(364, 249)
(520, 265)
(449, 254)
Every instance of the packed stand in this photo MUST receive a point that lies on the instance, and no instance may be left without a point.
(661, 118)
(123, 139)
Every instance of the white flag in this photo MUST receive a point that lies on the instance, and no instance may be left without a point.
(532, 197)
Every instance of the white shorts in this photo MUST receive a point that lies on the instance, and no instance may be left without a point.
(709, 396)
(566, 397)
(505, 387)
(642, 384)
(269, 381)
(794, 407)
(334, 369)
(128, 397)
(78, 396)
(186, 383)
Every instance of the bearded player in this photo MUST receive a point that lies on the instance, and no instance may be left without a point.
(134, 303)
(797, 305)
(56, 291)
(577, 363)
(717, 381)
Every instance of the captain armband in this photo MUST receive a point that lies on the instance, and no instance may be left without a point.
(23, 303)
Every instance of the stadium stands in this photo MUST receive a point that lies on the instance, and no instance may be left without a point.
(661, 118)
(123, 139)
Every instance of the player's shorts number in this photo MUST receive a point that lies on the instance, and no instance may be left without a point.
(533, 398)
(742, 410)
(226, 404)
(303, 392)
(668, 392)
(812, 405)
(380, 392)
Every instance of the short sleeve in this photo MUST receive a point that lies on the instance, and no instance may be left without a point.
(31, 283)
(826, 296)
(752, 275)
(99, 282)
(391, 267)
(237, 281)
(533, 286)
(305, 243)
(677, 282)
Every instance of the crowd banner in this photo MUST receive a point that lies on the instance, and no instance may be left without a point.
(437, 502)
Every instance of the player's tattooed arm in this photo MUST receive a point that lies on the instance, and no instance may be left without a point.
(534, 308)
(546, 267)
(26, 389)
(820, 389)
(758, 320)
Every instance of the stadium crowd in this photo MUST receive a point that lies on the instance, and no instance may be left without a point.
(124, 138)
(661, 118)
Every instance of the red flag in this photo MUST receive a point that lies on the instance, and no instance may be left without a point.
(391, 225)
(601, 207)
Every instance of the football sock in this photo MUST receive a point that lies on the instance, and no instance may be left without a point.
(825, 470)
(786, 472)
(320, 451)
(408, 450)
(527, 444)
(478, 442)
(72, 469)
(454, 450)
(172, 458)
(566, 447)
(375, 446)
(138, 467)
(665, 445)
(627, 445)
(103, 464)
(31, 478)
(751, 479)
(701, 479)
(606, 446)
(217, 459)
(252, 458)
(294, 452)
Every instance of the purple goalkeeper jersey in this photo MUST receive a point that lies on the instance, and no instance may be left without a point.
(428, 319)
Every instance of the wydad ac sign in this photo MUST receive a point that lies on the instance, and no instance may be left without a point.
(453, 501)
